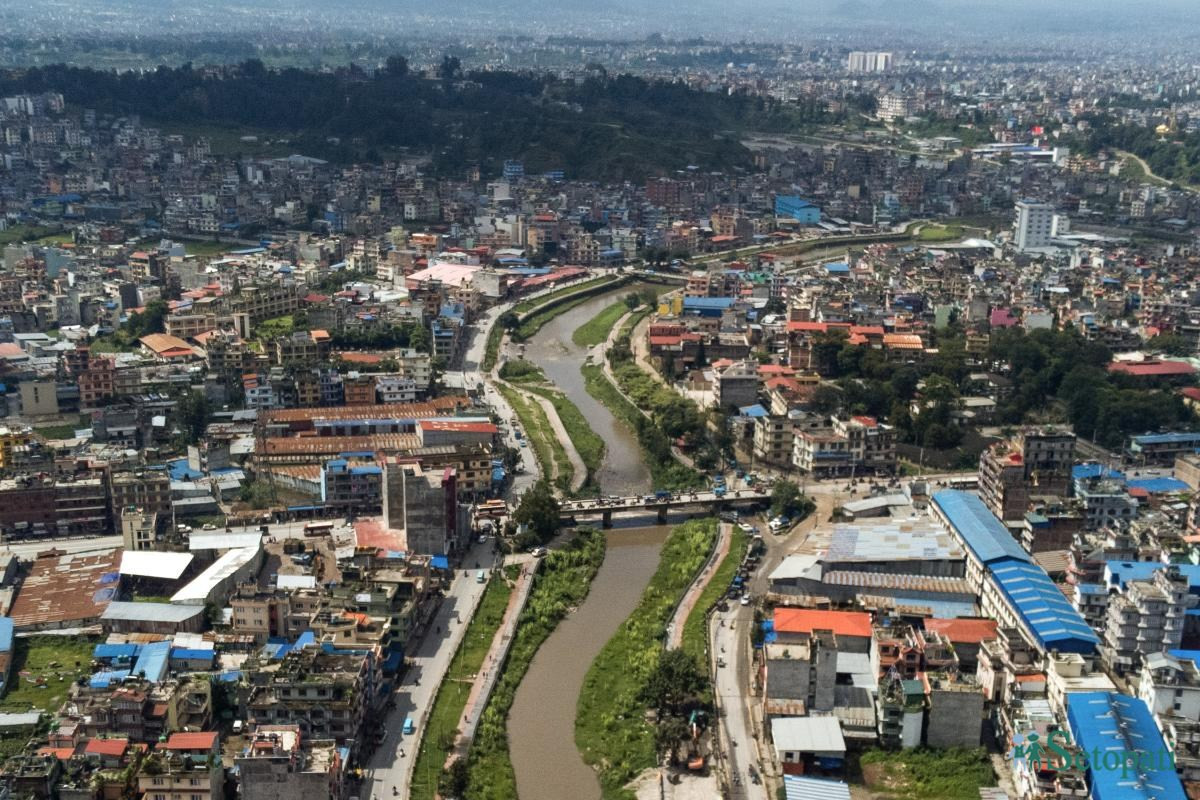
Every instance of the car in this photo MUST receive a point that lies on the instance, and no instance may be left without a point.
(745, 600)
(208, 526)
(538, 552)
(482, 538)
(745, 527)
(720, 661)
(523, 443)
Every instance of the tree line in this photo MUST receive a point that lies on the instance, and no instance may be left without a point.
(604, 127)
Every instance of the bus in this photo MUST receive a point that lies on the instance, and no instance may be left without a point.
(965, 482)
(492, 508)
(318, 528)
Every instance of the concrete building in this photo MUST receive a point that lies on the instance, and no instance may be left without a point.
(1148, 618)
(1035, 461)
(1033, 226)
(278, 763)
(425, 506)
(736, 385)
(39, 398)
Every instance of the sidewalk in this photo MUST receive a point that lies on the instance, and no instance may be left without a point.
(493, 662)
(692, 596)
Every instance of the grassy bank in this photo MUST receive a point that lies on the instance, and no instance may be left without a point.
(442, 728)
(544, 314)
(587, 442)
(695, 638)
(596, 329)
(610, 727)
(665, 471)
(561, 584)
(551, 455)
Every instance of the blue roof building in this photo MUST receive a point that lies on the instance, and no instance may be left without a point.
(1119, 731)
(152, 661)
(1042, 609)
(706, 306)
(799, 209)
(978, 528)
(1117, 574)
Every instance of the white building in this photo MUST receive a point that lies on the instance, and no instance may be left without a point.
(1034, 225)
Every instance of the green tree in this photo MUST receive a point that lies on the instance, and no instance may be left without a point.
(539, 510)
(675, 684)
(787, 500)
(509, 321)
(453, 780)
(193, 412)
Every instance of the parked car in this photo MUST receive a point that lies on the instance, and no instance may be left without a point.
(745, 527)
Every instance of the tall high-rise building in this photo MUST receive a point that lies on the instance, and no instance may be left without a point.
(1033, 227)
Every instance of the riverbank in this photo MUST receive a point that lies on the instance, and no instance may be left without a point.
(441, 730)
(561, 585)
(547, 448)
(694, 637)
(610, 727)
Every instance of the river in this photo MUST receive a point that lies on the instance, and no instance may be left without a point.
(541, 726)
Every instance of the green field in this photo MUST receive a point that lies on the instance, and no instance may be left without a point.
(610, 726)
(63, 431)
(44, 667)
(441, 729)
(596, 330)
(940, 233)
(923, 774)
(206, 249)
(25, 233)
(561, 584)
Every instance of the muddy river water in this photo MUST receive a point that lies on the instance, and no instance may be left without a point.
(542, 724)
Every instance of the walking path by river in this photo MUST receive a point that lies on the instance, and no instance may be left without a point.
(541, 725)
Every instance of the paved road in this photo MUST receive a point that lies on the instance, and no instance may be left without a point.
(731, 642)
(392, 762)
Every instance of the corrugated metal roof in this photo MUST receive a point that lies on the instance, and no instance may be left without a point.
(980, 530)
(808, 735)
(150, 612)
(1052, 620)
(799, 787)
(1106, 722)
(154, 564)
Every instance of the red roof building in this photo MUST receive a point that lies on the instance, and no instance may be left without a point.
(803, 621)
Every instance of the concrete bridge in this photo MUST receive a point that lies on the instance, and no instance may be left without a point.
(662, 503)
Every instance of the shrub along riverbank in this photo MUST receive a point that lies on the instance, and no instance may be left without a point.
(442, 728)
(695, 637)
(610, 727)
(561, 584)
(665, 471)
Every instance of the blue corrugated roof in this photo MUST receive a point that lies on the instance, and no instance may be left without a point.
(978, 527)
(1041, 605)
(188, 654)
(1104, 722)
(1159, 485)
(115, 651)
(1085, 471)
(152, 661)
(439, 562)
(716, 303)
(753, 411)
(6, 634)
(1120, 573)
(102, 680)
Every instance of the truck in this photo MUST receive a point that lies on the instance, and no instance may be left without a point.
(662, 494)
(719, 491)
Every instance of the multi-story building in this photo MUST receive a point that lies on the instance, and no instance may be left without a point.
(12, 439)
(325, 693)
(148, 490)
(773, 439)
(1147, 618)
(1033, 227)
(1035, 461)
(180, 771)
(280, 763)
(736, 385)
(352, 484)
